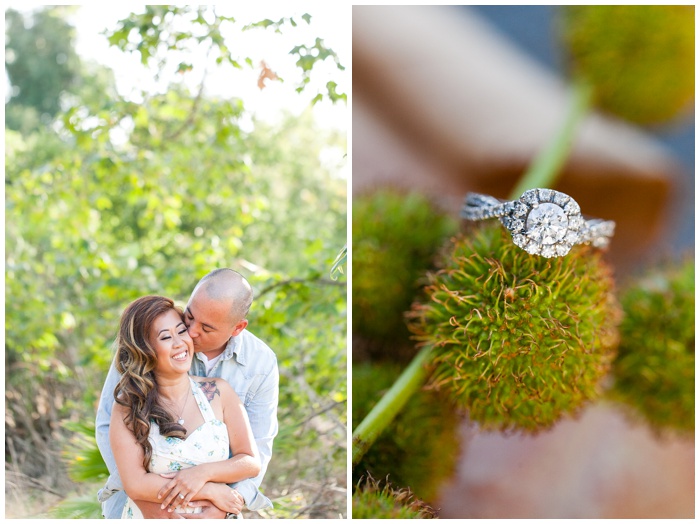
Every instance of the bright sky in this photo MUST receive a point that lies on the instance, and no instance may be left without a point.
(331, 22)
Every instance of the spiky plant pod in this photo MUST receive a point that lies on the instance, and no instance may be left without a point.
(518, 340)
(639, 58)
(655, 368)
(420, 447)
(372, 501)
(395, 237)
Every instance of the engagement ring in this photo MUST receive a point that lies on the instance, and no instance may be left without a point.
(543, 221)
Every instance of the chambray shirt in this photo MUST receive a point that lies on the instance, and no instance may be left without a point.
(250, 366)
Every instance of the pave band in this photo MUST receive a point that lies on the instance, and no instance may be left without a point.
(542, 221)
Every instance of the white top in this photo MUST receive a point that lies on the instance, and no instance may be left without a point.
(207, 443)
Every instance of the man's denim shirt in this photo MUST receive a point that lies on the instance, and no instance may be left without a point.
(251, 369)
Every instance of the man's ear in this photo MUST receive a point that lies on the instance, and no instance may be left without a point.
(239, 327)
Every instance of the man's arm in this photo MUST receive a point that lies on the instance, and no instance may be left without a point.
(104, 414)
(112, 494)
(262, 413)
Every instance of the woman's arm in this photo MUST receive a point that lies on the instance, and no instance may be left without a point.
(138, 483)
(245, 462)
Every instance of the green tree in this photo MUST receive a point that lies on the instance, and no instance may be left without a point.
(40, 60)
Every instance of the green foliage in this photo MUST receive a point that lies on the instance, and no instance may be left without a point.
(40, 59)
(395, 237)
(45, 72)
(518, 340)
(639, 58)
(308, 57)
(97, 227)
(83, 458)
(102, 222)
(156, 33)
(81, 507)
(370, 501)
(655, 367)
(419, 448)
(339, 262)
(307, 321)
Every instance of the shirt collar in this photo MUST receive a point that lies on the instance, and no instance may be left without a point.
(235, 349)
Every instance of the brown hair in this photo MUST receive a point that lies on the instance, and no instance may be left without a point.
(137, 389)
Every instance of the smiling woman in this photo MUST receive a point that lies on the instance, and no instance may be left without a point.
(141, 357)
(172, 342)
(191, 439)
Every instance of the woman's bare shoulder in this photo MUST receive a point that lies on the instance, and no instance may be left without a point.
(119, 411)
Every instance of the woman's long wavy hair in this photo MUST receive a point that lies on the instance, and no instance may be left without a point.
(137, 389)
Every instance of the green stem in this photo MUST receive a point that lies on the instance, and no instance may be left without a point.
(547, 164)
(412, 378)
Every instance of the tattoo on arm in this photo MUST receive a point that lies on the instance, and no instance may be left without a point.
(210, 390)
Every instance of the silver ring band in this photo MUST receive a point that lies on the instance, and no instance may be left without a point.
(542, 221)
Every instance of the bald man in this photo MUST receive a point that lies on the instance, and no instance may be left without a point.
(216, 321)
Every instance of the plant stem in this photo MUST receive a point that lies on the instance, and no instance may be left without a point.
(547, 164)
(412, 378)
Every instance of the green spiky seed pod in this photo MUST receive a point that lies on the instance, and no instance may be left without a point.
(639, 58)
(419, 448)
(518, 340)
(394, 238)
(370, 501)
(655, 368)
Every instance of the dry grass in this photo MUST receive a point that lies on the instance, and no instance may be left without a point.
(27, 497)
(320, 499)
(309, 483)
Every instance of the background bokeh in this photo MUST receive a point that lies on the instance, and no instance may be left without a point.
(531, 28)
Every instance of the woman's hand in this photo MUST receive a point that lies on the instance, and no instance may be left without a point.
(184, 485)
(222, 497)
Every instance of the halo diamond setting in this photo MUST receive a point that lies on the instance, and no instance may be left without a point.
(543, 222)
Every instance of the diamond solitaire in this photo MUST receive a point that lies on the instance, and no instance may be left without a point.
(543, 221)
(547, 223)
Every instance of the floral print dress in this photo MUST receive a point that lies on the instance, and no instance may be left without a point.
(208, 443)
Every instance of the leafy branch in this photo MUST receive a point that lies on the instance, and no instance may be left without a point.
(153, 34)
(299, 280)
(338, 263)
